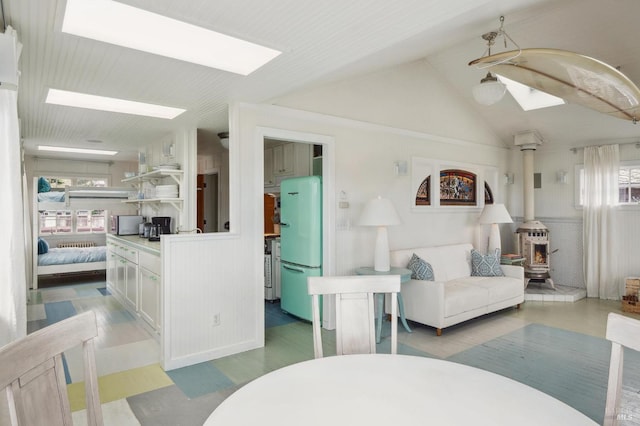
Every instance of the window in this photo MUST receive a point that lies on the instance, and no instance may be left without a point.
(69, 221)
(628, 183)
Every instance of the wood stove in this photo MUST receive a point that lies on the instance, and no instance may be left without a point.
(533, 244)
(532, 235)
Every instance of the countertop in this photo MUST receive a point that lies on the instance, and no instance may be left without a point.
(143, 243)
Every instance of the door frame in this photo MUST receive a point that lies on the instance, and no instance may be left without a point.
(328, 197)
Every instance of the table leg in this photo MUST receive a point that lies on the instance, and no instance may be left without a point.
(401, 310)
(379, 308)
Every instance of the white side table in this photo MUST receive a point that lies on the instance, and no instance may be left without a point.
(405, 275)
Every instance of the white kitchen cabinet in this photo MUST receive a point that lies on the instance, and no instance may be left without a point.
(133, 271)
(150, 297)
(269, 176)
(112, 267)
(150, 286)
(284, 159)
(131, 284)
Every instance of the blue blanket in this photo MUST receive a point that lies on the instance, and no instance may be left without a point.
(62, 256)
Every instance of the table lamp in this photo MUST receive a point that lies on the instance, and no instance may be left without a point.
(494, 214)
(380, 212)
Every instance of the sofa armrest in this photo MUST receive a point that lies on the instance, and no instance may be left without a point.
(513, 271)
(423, 301)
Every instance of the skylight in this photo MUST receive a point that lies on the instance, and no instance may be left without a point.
(101, 103)
(127, 26)
(529, 98)
(75, 150)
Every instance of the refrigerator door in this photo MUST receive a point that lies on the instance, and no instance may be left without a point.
(301, 221)
(295, 298)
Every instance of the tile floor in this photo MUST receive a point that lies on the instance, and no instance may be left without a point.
(136, 391)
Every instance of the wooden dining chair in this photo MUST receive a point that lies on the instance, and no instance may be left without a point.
(32, 373)
(355, 313)
(623, 332)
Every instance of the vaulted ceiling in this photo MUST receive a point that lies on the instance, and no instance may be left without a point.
(321, 41)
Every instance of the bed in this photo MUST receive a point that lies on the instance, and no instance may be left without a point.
(71, 252)
(78, 256)
(80, 196)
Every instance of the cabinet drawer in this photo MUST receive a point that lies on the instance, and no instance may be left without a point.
(150, 262)
(130, 253)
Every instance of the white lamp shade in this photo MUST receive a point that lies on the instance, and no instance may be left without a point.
(488, 93)
(379, 212)
(495, 213)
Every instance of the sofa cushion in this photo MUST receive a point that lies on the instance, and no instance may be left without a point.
(420, 269)
(462, 295)
(487, 265)
(500, 288)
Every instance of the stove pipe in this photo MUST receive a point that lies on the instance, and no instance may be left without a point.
(528, 141)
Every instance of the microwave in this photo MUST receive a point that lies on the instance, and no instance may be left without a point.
(126, 224)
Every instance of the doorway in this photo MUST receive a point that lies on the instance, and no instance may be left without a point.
(283, 159)
(207, 202)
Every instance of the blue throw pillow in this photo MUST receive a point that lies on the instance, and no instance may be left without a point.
(487, 265)
(43, 246)
(420, 269)
(43, 185)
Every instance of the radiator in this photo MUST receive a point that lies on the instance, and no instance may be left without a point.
(76, 244)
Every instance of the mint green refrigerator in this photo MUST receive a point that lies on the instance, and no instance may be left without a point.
(300, 242)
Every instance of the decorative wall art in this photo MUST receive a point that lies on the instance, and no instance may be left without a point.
(456, 186)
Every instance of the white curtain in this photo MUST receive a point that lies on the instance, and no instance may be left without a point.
(13, 285)
(601, 169)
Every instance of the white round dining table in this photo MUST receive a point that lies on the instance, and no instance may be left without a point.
(389, 390)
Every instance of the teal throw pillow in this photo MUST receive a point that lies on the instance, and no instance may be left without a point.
(420, 269)
(487, 265)
(43, 185)
(43, 246)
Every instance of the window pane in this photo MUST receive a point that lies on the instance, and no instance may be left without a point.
(623, 195)
(83, 221)
(63, 221)
(623, 176)
(47, 223)
(634, 176)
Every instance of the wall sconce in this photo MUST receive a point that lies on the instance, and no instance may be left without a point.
(401, 168)
(509, 178)
(562, 177)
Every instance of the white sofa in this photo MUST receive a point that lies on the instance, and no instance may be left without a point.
(455, 296)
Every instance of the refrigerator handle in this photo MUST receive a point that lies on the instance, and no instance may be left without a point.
(293, 269)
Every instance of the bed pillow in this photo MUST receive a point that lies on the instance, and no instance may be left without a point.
(43, 185)
(487, 265)
(420, 269)
(43, 246)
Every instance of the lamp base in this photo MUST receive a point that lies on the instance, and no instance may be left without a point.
(494, 239)
(381, 260)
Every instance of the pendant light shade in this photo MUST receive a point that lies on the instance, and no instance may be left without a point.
(224, 139)
(489, 91)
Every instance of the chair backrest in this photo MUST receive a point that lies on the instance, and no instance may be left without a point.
(623, 332)
(32, 374)
(355, 313)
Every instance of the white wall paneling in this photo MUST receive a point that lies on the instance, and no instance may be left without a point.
(201, 280)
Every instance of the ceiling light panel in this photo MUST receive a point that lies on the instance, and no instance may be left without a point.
(75, 150)
(102, 103)
(529, 98)
(127, 26)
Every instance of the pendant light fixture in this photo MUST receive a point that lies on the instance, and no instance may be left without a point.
(491, 90)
